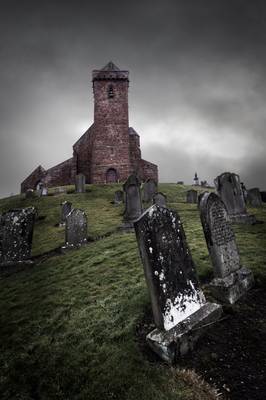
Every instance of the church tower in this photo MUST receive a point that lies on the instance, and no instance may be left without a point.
(110, 156)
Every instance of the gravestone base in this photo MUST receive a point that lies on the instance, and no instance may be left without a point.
(127, 226)
(175, 343)
(232, 287)
(243, 219)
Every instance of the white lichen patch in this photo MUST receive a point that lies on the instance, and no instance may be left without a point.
(182, 306)
(156, 273)
(150, 250)
(161, 276)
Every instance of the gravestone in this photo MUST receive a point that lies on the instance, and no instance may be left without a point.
(229, 189)
(133, 206)
(149, 189)
(254, 197)
(80, 183)
(16, 232)
(76, 228)
(159, 199)
(66, 207)
(231, 280)
(178, 303)
(263, 196)
(29, 194)
(192, 196)
(44, 191)
(119, 197)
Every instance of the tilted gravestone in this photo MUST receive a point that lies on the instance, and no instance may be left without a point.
(16, 232)
(229, 189)
(76, 228)
(80, 183)
(119, 197)
(66, 207)
(231, 280)
(254, 197)
(192, 196)
(178, 304)
(149, 189)
(133, 206)
(159, 199)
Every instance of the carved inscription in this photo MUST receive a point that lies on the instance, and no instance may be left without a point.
(221, 229)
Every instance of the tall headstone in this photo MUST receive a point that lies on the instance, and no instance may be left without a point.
(76, 228)
(149, 189)
(178, 303)
(263, 196)
(192, 196)
(119, 197)
(231, 280)
(66, 207)
(80, 183)
(133, 206)
(254, 197)
(229, 189)
(159, 199)
(16, 232)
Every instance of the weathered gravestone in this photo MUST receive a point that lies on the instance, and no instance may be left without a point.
(29, 194)
(44, 191)
(263, 196)
(76, 228)
(133, 206)
(159, 199)
(80, 183)
(192, 196)
(149, 189)
(66, 207)
(231, 280)
(178, 304)
(119, 197)
(254, 197)
(16, 231)
(228, 187)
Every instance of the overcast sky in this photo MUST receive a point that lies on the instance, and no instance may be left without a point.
(197, 82)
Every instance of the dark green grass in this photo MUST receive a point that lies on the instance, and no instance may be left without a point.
(67, 326)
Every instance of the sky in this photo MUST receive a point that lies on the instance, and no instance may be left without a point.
(197, 92)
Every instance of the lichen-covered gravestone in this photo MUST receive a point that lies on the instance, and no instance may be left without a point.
(159, 199)
(66, 207)
(119, 197)
(178, 303)
(192, 196)
(133, 206)
(228, 187)
(231, 280)
(149, 189)
(76, 228)
(16, 232)
(80, 183)
(254, 197)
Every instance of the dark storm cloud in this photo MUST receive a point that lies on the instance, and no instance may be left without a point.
(197, 90)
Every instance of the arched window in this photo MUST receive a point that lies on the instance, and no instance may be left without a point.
(110, 92)
(111, 175)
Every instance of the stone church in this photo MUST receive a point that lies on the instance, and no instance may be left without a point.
(109, 151)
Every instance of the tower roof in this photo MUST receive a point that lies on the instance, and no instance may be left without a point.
(110, 67)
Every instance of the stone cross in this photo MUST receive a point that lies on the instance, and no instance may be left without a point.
(16, 232)
(192, 196)
(80, 183)
(119, 197)
(149, 189)
(178, 303)
(228, 187)
(159, 199)
(231, 280)
(76, 228)
(133, 206)
(66, 207)
(254, 197)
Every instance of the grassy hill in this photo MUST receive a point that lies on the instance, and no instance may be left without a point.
(68, 324)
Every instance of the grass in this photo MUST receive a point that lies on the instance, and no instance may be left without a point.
(67, 326)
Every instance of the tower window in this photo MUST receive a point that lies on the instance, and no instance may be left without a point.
(110, 92)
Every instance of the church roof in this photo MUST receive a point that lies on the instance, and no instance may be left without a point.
(110, 67)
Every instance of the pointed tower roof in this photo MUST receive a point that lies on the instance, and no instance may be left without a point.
(110, 67)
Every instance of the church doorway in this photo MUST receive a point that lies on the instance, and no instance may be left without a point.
(111, 176)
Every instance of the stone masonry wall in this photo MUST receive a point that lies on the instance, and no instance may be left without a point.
(33, 179)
